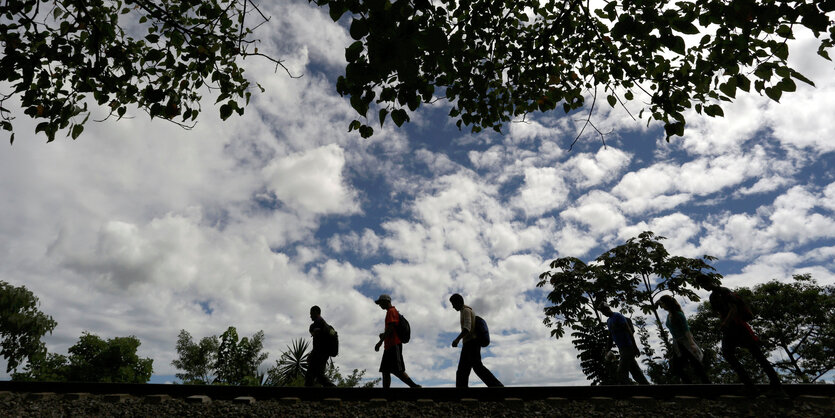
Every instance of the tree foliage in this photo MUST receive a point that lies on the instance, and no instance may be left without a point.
(22, 325)
(93, 359)
(494, 61)
(798, 320)
(238, 360)
(631, 275)
(498, 60)
(794, 320)
(197, 360)
(62, 56)
(291, 367)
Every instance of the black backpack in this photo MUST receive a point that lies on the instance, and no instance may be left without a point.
(404, 330)
(482, 333)
(743, 309)
(332, 337)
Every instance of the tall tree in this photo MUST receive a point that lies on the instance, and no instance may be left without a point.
(197, 360)
(631, 276)
(795, 322)
(238, 360)
(492, 60)
(93, 359)
(22, 325)
(797, 319)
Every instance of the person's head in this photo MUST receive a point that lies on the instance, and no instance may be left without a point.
(604, 308)
(707, 282)
(384, 301)
(669, 303)
(315, 312)
(457, 301)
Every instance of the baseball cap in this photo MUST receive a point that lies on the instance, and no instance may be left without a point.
(382, 298)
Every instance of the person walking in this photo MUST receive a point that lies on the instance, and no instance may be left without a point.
(392, 363)
(471, 349)
(734, 315)
(317, 360)
(621, 332)
(685, 350)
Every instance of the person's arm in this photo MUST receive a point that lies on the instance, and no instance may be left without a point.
(462, 335)
(389, 331)
(467, 320)
(727, 298)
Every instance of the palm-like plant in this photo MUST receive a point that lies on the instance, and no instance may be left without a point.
(291, 367)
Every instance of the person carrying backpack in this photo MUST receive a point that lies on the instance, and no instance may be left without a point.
(620, 328)
(392, 363)
(317, 360)
(734, 314)
(471, 349)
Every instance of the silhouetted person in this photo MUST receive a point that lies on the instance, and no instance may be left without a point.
(471, 349)
(392, 363)
(621, 331)
(736, 332)
(317, 360)
(685, 349)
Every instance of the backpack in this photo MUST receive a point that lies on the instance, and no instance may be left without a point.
(404, 330)
(742, 307)
(482, 334)
(332, 337)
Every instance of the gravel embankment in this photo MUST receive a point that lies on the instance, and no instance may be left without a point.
(18, 405)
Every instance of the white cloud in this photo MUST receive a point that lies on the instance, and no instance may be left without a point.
(598, 211)
(312, 181)
(589, 170)
(544, 190)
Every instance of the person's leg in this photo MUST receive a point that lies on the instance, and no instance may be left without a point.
(623, 367)
(462, 375)
(677, 367)
(756, 351)
(698, 368)
(315, 368)
(386, 380)
(483, 373)
(729, 344)
(636, 371)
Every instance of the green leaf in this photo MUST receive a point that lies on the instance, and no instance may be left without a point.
(714, 110)
(612, 100)
(352, 53)
(366, 131)
(336, 9)
(355, 124)
(773, 93)
(399, 116)
(802, 78)
(787, 85)
(76, 131)
(359, 28)
(225, 111)
(729, 87)
(685, 27)
(383, 113)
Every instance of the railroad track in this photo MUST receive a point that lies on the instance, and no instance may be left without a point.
(533, 393)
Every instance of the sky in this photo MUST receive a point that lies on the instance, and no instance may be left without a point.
(142, 228)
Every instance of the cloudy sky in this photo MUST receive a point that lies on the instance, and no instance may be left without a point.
(142, 228)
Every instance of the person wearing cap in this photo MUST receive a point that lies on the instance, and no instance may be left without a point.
(392, 363)
(471, 349)
(621, 331)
